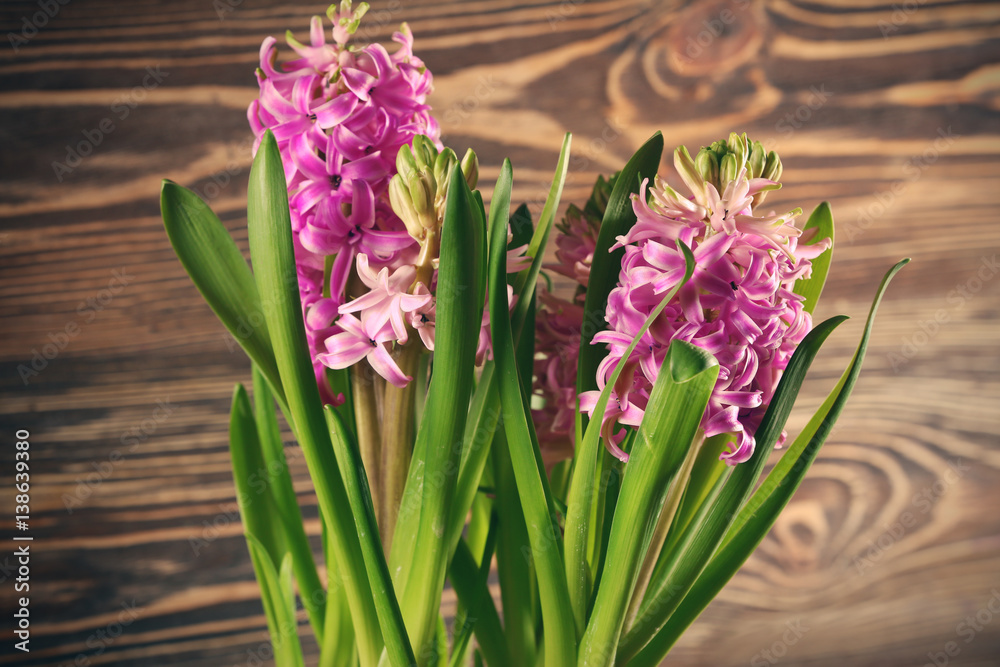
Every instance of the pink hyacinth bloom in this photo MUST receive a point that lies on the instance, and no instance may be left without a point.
(361, 339)
(388, 299)
(738, 305)
(340, 113)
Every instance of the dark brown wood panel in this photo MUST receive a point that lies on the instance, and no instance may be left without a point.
(889, 110)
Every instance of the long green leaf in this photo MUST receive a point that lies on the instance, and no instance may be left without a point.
(678, 568)
(251, 476)
(469, 587)
(515, 567)
(218, 270)
(271, 250)
(485, 409)
(289, 515)
(759, 513)
(822, 221)
(668, 430)
(524, 284)
(430, 486)
(481, 615)
(278, 598)
(532, 484)
(352, 469)
(581, 500)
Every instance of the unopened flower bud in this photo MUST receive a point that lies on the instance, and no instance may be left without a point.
(443, 164)
(756, 161)
(470, 168)
(405, 162)
(402, 204)
(424, 151)
(685, 166)
(772, 172)
(728, 171)
(708, 166)
(772, 167)
(420, 185)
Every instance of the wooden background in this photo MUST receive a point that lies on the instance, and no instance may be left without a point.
(889, 111)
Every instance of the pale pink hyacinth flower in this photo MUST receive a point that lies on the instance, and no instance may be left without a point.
(738, 305)
(340, 114)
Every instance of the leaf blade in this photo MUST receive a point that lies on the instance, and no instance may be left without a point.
(821, 220)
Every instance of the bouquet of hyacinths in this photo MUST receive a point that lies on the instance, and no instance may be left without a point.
(604, 448)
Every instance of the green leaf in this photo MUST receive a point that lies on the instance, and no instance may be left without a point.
(430, 486)
(532, 483)
(676, 404)
(478, 603)
(352, 469)
(278, 599)
(585, 481)
(271, 250)
(484, 411)
(289, 515)
(679, 567)
(470, 587)
(218, 270)
(756, 517)
(524, 284)
(821, 220)
(251, 477)
(515, 569)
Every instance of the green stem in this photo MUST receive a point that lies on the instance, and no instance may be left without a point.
(397, 441)
(367, 422)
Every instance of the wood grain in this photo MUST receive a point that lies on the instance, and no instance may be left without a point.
(888, 110)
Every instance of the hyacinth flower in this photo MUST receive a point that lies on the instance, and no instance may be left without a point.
(739, 305)
(340, 112)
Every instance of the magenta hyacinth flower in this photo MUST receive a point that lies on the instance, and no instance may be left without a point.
(738, 305)
(340, 114)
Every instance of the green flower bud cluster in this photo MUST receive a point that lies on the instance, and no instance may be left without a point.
(721, 163)
(419, 188)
